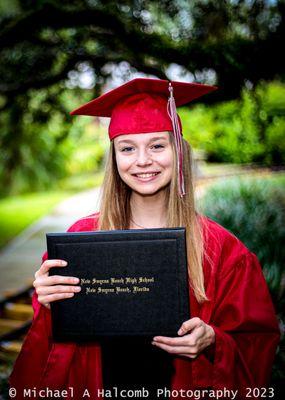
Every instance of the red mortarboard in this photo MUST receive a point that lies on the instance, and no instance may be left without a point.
(140, 105)
(146, 105)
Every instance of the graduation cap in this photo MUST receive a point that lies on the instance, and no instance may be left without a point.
(145, 105)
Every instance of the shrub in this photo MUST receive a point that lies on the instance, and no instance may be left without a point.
(246, 130)
(253, 210)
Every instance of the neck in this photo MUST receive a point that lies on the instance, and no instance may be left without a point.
(148, 211)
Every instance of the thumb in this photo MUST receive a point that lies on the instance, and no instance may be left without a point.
(189, 325)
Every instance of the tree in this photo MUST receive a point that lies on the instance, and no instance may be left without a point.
(44, 40)
(44, 43)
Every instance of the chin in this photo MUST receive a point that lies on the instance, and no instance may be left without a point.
(148, 191)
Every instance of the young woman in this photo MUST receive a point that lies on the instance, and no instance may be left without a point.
(231, 339)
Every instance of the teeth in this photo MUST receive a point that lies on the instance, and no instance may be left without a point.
(146, 175)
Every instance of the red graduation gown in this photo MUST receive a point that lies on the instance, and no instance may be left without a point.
(240, 311)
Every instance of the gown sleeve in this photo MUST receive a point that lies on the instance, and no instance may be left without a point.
(245, 325)
(36, 347)
(36, 362)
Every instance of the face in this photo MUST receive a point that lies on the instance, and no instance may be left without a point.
(144, 161)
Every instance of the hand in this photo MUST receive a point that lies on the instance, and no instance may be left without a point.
(191, 345)
(52, 288)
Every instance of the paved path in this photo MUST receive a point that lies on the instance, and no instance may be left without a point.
(22, 256)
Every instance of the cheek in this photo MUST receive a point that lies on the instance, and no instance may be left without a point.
(166, 160)
(123, 163)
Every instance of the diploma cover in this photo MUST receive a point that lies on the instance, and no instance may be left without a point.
(133, 283)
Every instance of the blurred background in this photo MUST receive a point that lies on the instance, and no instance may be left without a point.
(54, 56)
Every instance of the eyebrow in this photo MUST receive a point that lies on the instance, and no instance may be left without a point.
(151, 140)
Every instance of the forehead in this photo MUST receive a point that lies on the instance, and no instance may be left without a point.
(141, 137)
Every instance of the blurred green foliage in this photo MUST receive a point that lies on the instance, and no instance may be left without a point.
(254, 210)
(46, 145)
(248, 130)
(43, 42)
(18, 212)
(51, 52)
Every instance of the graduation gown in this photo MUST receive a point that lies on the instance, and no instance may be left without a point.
(239, 309)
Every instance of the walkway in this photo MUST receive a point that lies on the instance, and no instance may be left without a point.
(22, 257)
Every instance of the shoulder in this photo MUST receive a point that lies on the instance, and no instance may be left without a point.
(88, 223)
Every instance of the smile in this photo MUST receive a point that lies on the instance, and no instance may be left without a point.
(146, 175)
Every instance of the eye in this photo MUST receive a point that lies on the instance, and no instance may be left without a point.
(157, 146)
(127, 149)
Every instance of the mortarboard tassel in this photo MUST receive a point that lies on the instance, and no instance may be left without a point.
(172, 112)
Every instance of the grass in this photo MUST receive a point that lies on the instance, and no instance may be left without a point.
(82, 182)
(18, 212)
(212, 169)
(273, 179)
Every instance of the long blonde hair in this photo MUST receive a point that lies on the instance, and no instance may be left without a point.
(115, 211)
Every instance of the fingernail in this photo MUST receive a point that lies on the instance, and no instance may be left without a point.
(76, 280)
(64, 263)
(179, 332)
(77, 289)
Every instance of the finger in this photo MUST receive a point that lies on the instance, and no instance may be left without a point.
(188, 355)
(189, 325)
(197, 333)
(55, 280)
(177, 341)
(203, 336)
(54, 297)
(186, 340)
(46, 265)
(175, 349)
(45, 290)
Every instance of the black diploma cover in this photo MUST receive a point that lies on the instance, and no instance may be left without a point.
(133, 283)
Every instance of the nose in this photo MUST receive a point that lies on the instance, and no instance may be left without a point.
(143, 158)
